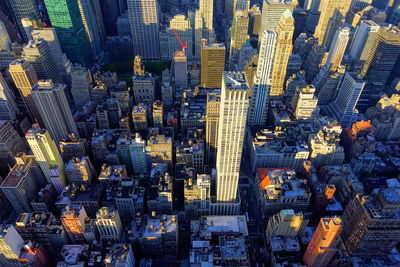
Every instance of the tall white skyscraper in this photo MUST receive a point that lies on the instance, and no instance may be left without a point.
(231, 130)
(5, 42)
(47, 156)
(360, 38)
(344, 107)
(144, 19)
(8, 107)
(338, 47)
(54, 110)
(262, 81)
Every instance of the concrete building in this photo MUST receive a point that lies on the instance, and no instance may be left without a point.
(286, 223)
(37, 52)
(23, 182)
(183, 28)
(278, 189)
(332, 16)
(80, 171)
(123, 25)
(325, 148)
(269, 149)
(158, 114)
(272, 11)
(370, 223)
(10, 246)
(73, 147)
(231, 132)
(73, 219)
(140, 115)
(109, 225)
(324, 243)
(283, 50)
(305, 103)
(24, 77)
(24, 9)
(159, 149)
(47, 156)
(143, 88)
(197, 195)
(360, 38)
(8, 106)
(191, 153)
(159, 193)
(206, 12)
(81, 85)
(120, 255)
(144, 19)
(52, 104)
(212, 122)
(180, 69)
(338, 48)
(138, 155)
(212, 65)
(11, 143)
(343, 107)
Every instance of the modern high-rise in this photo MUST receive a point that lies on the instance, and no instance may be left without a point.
(231, 131)
(65, 17)
(338, 48)
(10, 246)
(81, 85)
(262, 79)
(109, 225)
(23, 182)
(324, 242)
(371, 227)
(212, 120)
(144, 19)
(212, 65)
(180, 69)
(54, 110)
(90, 25)
(24, 77)
(47, 156)
(305, 103)
(24, 9)
(332, 16)
(206, 11)
(343, 108)
(8, 106)
(239, 36)
(272, 11)
(38, 53)
(5, 42)
(283, 50)
(360, 38)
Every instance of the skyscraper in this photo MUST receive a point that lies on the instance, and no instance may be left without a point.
(231, 130)
(181, 25)
(8, 106)
(90, 24)
(212, 65)
(5, 42)
(38, 53)
(24, 77)
(109, 224)
(360, 38)
(333, 13)
(54, 110)
(65, 17)
(272, 11)
(371, 227)
(81, 85)
(206, 11)
(283, 50)
(144, 18)
(338, 48)
(262, 79)
(180, 69)
(10, 243)
(343, 107)
(324, 242)
(212, 121)
(47, 156)
(24, 9)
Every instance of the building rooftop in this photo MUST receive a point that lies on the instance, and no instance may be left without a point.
(156, 227)
(284, 244)
(34, 220)
(235, 80)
